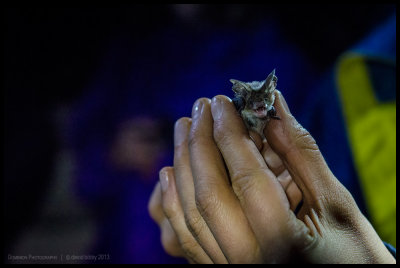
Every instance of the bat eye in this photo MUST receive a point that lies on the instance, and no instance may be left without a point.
(239, 103)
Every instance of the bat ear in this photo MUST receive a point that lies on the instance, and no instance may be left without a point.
(238, 87)
(271, 81)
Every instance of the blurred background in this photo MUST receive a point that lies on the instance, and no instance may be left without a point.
(91, 96)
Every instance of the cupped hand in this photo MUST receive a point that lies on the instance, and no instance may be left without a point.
(229, 198)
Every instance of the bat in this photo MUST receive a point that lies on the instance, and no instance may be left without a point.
(254, 102)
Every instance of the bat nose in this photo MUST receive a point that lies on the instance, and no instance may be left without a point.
(258, 104)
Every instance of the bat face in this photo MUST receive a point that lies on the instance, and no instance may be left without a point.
(259, 103)
(257, 97)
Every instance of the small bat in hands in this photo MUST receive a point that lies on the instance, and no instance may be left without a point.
(254, 102)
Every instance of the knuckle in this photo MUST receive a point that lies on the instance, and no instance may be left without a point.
(303, 139)
(222, 135)
(207, 203)
(194, 138)
(193, 221)
(169, 209)
(189, 248)
(180, 167)
(244, 182)
(197, 140)
(180, 151)
(169, 244)
(219, 131)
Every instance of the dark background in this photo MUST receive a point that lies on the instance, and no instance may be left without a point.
(51, 54)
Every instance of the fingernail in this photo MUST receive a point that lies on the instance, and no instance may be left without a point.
(197, 109)
(164, 180)
(216, 108)
(181, 131)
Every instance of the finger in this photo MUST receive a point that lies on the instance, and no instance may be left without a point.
(294, 195)
(256, 138)
(300, 153)
(284, 179)
(259, 192)
(293, 192)
(176, 220)
(247, 168)
(276, 165)
(185, 190)
(272, 159)
(170, 241)
(215, 199)
(155, 205)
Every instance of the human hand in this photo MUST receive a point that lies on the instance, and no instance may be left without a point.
(243, 214)
(186, 219)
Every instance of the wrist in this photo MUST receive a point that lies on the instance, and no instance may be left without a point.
(378, 253)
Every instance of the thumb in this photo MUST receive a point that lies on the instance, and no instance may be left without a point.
(299, 152)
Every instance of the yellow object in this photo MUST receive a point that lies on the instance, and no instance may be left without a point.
(371, 128)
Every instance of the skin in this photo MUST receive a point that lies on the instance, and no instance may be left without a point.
(230, 197)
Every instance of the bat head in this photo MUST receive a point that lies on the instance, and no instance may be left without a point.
(257, 97)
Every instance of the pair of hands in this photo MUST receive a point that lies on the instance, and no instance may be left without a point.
(230, 197)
